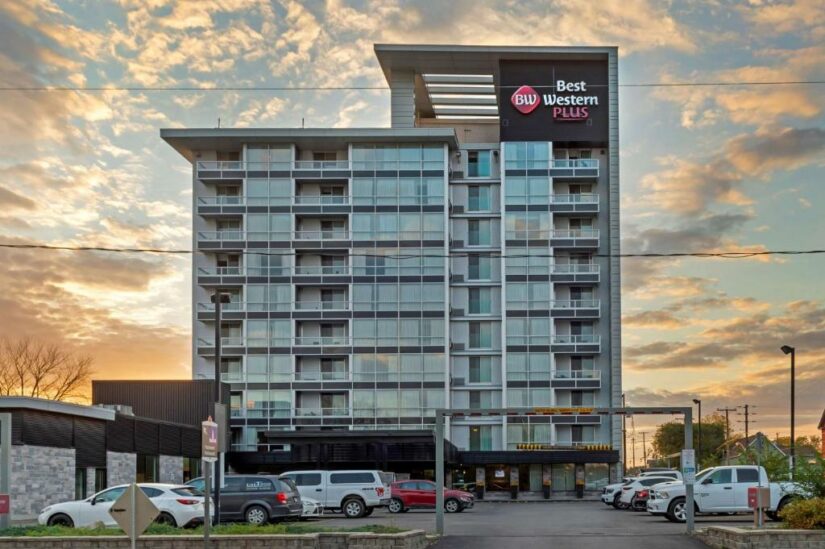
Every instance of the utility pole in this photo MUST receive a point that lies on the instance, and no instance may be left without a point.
(727, 432)
(218, 298)
(624, 437)
(747, 414)
(633, 443)
(644, 449)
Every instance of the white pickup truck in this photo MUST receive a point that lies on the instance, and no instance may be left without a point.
(720, 490)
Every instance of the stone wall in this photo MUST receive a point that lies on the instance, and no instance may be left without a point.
(90, 481)
(171, 469)
(728, 537)
(121, 468)
(40, 476)
(415, 539)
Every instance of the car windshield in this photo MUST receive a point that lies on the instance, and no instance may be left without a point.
(703, 473)
(188, 491)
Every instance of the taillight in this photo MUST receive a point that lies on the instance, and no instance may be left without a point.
(188, 501)
(642, 493)
(379, 491)
(281, 497)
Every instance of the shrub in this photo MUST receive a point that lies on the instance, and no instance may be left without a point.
(808, 514)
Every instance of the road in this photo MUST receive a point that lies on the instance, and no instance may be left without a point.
(562, 525)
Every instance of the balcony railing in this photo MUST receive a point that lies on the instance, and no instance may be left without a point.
(319, 341)
(225, 342)
(321, 376)
(322, 270)
(221, 271)
(321, 200)
(576, 374)
(221, 200)
(322, 412)
(233, 235)
(576, 163)
(581, 198)
(528, 234)
(321, 165)
(322, 305)
(335, 234)
(574, 233)
(574, 268)
(231, 306)
(569, 339)
(564, 164)
(371, 165)
(575, 304)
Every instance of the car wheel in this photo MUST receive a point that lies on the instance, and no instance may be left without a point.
(452, 505)
(61, 519)
(616, 501)
(167, 520)
(395, 506)
(368, 511)
(256, 515)
(354, 508)
(677, 510)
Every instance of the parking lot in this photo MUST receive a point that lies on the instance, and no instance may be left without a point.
(579, 525)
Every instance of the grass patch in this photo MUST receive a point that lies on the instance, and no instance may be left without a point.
(224, 529)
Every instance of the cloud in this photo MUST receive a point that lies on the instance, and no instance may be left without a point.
(657, 320)
(706, 233)
(12, 200)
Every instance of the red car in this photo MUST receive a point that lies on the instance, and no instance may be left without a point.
(420, 494)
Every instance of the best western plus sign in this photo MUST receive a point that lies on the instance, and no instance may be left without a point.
(566, 108)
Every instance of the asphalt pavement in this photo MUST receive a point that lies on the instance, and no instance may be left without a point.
(562, 525)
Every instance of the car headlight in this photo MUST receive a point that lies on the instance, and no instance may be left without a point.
(663, 495)
(464, 498)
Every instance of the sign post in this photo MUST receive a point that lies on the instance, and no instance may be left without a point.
(134, 512)
(209, 455)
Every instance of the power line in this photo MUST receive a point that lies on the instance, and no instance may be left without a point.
(723, 255)
(197, 89)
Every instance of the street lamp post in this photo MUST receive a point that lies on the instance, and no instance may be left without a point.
(698, 402)
(218, 299)
(788, 350)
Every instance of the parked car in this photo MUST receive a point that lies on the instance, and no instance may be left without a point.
(355, 493)
(721, 490)
(630, 489)
(257, 499)
(420, 494)
(312, 508)
(639, 501)
(612, 492)
(670, 473)
(179, 506)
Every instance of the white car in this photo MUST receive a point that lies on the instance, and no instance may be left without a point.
(312, 508)
(179, 506)
(355, 493)
(670, 473)
(629, 489)
(612, 492)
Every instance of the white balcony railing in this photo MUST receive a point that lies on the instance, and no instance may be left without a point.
(321, 165)
(576, 374)
(335, 234)
(322, 305)
(580, 198)
(225, 342)
(322, 270)
(574, 268)
(232, 235)
(321, 376)
(574, 233)
(231, 306)
(321, 200)
(576, 163)
(575, 304)
(221, 200)
(240, 165)
(322, 412)
(319, 341)
(569, 339)
(221, 271)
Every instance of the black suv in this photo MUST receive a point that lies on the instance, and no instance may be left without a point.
(256, 499)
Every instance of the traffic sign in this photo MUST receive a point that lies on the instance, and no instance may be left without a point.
(209, 441)
(133, 511)
(689, 465)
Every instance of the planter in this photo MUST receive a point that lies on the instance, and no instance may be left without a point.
(728, 537)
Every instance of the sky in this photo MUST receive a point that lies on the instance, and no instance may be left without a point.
(718, 168)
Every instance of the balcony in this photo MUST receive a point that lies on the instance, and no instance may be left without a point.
(234, 306)
(332, 234)
(574, 238)
(225, 342)
(216, 205)
(575, 308)
(567, 343)
(323, 341)
(322, 270)
(320, 200)
(576, 379)
(235, 235)
(322, 412)
(575, 272)
(575, 168)
(316, 375)
(307, 169)
(342, 305)
(574, 203)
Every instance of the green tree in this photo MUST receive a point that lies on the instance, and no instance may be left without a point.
(670, 439)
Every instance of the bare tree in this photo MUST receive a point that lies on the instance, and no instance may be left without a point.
(41, 370)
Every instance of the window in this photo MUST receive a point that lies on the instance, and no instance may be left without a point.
(720, 476)
(480, 400)
(531, 155)
(481, 369)
(351, 478)
(480, 301)
(80, 483)
(747, 475)
(480, 267)
(110, 495)
(151, 492)
(527, 190)
(527, 225)
(481, 335)
(408, 486)
(481, 437)
(306, 479)
(191, 468)
(478, 164)
(147, 468)
(479, 198)
(479, 232)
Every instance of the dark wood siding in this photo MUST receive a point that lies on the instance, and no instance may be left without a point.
(146, 437)
(120, 434)
(46, 429)
(89, 442)
(169, 440)
(177, 401)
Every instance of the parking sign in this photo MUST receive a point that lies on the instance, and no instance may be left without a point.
(689, 465)
(209, 441)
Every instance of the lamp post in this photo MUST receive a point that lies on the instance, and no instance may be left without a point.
(788, 350)
(699, 446)
(218, 298)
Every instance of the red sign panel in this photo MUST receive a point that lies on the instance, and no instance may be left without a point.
(5, 504)
(525, 100)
